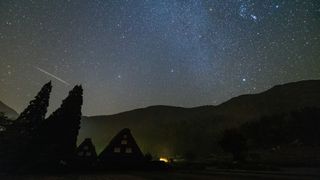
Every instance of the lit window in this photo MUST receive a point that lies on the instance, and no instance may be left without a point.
(88, 154)
(128, 150)
(116, 150)
(124, 142)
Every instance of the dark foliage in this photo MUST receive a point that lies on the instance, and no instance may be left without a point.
(306, 126)
(234, 142)
(58, 134)
(32, 142)
(269, 130)
(301, 127)
(4, 121)
(148, 157)
(3, 117)
(33, 115)
(16, 142)
(190, 156)
(35, 144)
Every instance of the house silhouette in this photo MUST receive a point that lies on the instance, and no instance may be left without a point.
(85, 155)
(122, 149)
(86, 151)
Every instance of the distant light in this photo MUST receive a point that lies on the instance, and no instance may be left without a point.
(166, 160)
(244, 80)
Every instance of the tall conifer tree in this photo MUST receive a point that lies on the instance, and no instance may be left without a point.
(35, 113)
(18, 138)
(60, 129)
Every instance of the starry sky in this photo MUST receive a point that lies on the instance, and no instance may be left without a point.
(130, 54)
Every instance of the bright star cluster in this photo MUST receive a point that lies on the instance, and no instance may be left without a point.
(135, 53)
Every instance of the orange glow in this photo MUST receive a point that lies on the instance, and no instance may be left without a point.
(164, 159)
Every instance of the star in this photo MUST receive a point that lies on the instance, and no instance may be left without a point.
(253, 17)
(120, 47)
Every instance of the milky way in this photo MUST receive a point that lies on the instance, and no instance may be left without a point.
(130, 54)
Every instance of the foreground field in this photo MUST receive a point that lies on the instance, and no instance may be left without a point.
(201, 175)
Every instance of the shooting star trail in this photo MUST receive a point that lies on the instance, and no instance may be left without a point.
(49, 74)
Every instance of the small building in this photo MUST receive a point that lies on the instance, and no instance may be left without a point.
(86, 152)
(122, 150)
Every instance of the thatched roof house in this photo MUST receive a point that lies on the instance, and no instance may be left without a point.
(122, 148)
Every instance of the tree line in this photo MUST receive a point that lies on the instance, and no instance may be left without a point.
(33, 141)
(296, 128)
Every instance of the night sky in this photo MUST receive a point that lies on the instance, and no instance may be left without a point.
(129, 54)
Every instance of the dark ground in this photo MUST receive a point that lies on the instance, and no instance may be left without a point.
(310, 174)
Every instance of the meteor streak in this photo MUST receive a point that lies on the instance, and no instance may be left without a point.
(51, 75)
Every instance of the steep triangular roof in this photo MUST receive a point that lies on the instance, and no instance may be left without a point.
(122, 147)
(86, 150)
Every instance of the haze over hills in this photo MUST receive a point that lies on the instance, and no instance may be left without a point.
(9, 112)
(167, 130)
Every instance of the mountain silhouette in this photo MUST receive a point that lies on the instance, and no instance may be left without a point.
(9, 112)
(168, 130)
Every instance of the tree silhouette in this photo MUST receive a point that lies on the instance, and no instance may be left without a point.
(148, 157)
(3, 116)
(300, 127)
(30, 119)
(306, 125)
(4, 121)
(234, 142)
(18, 137)
(59, 132)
